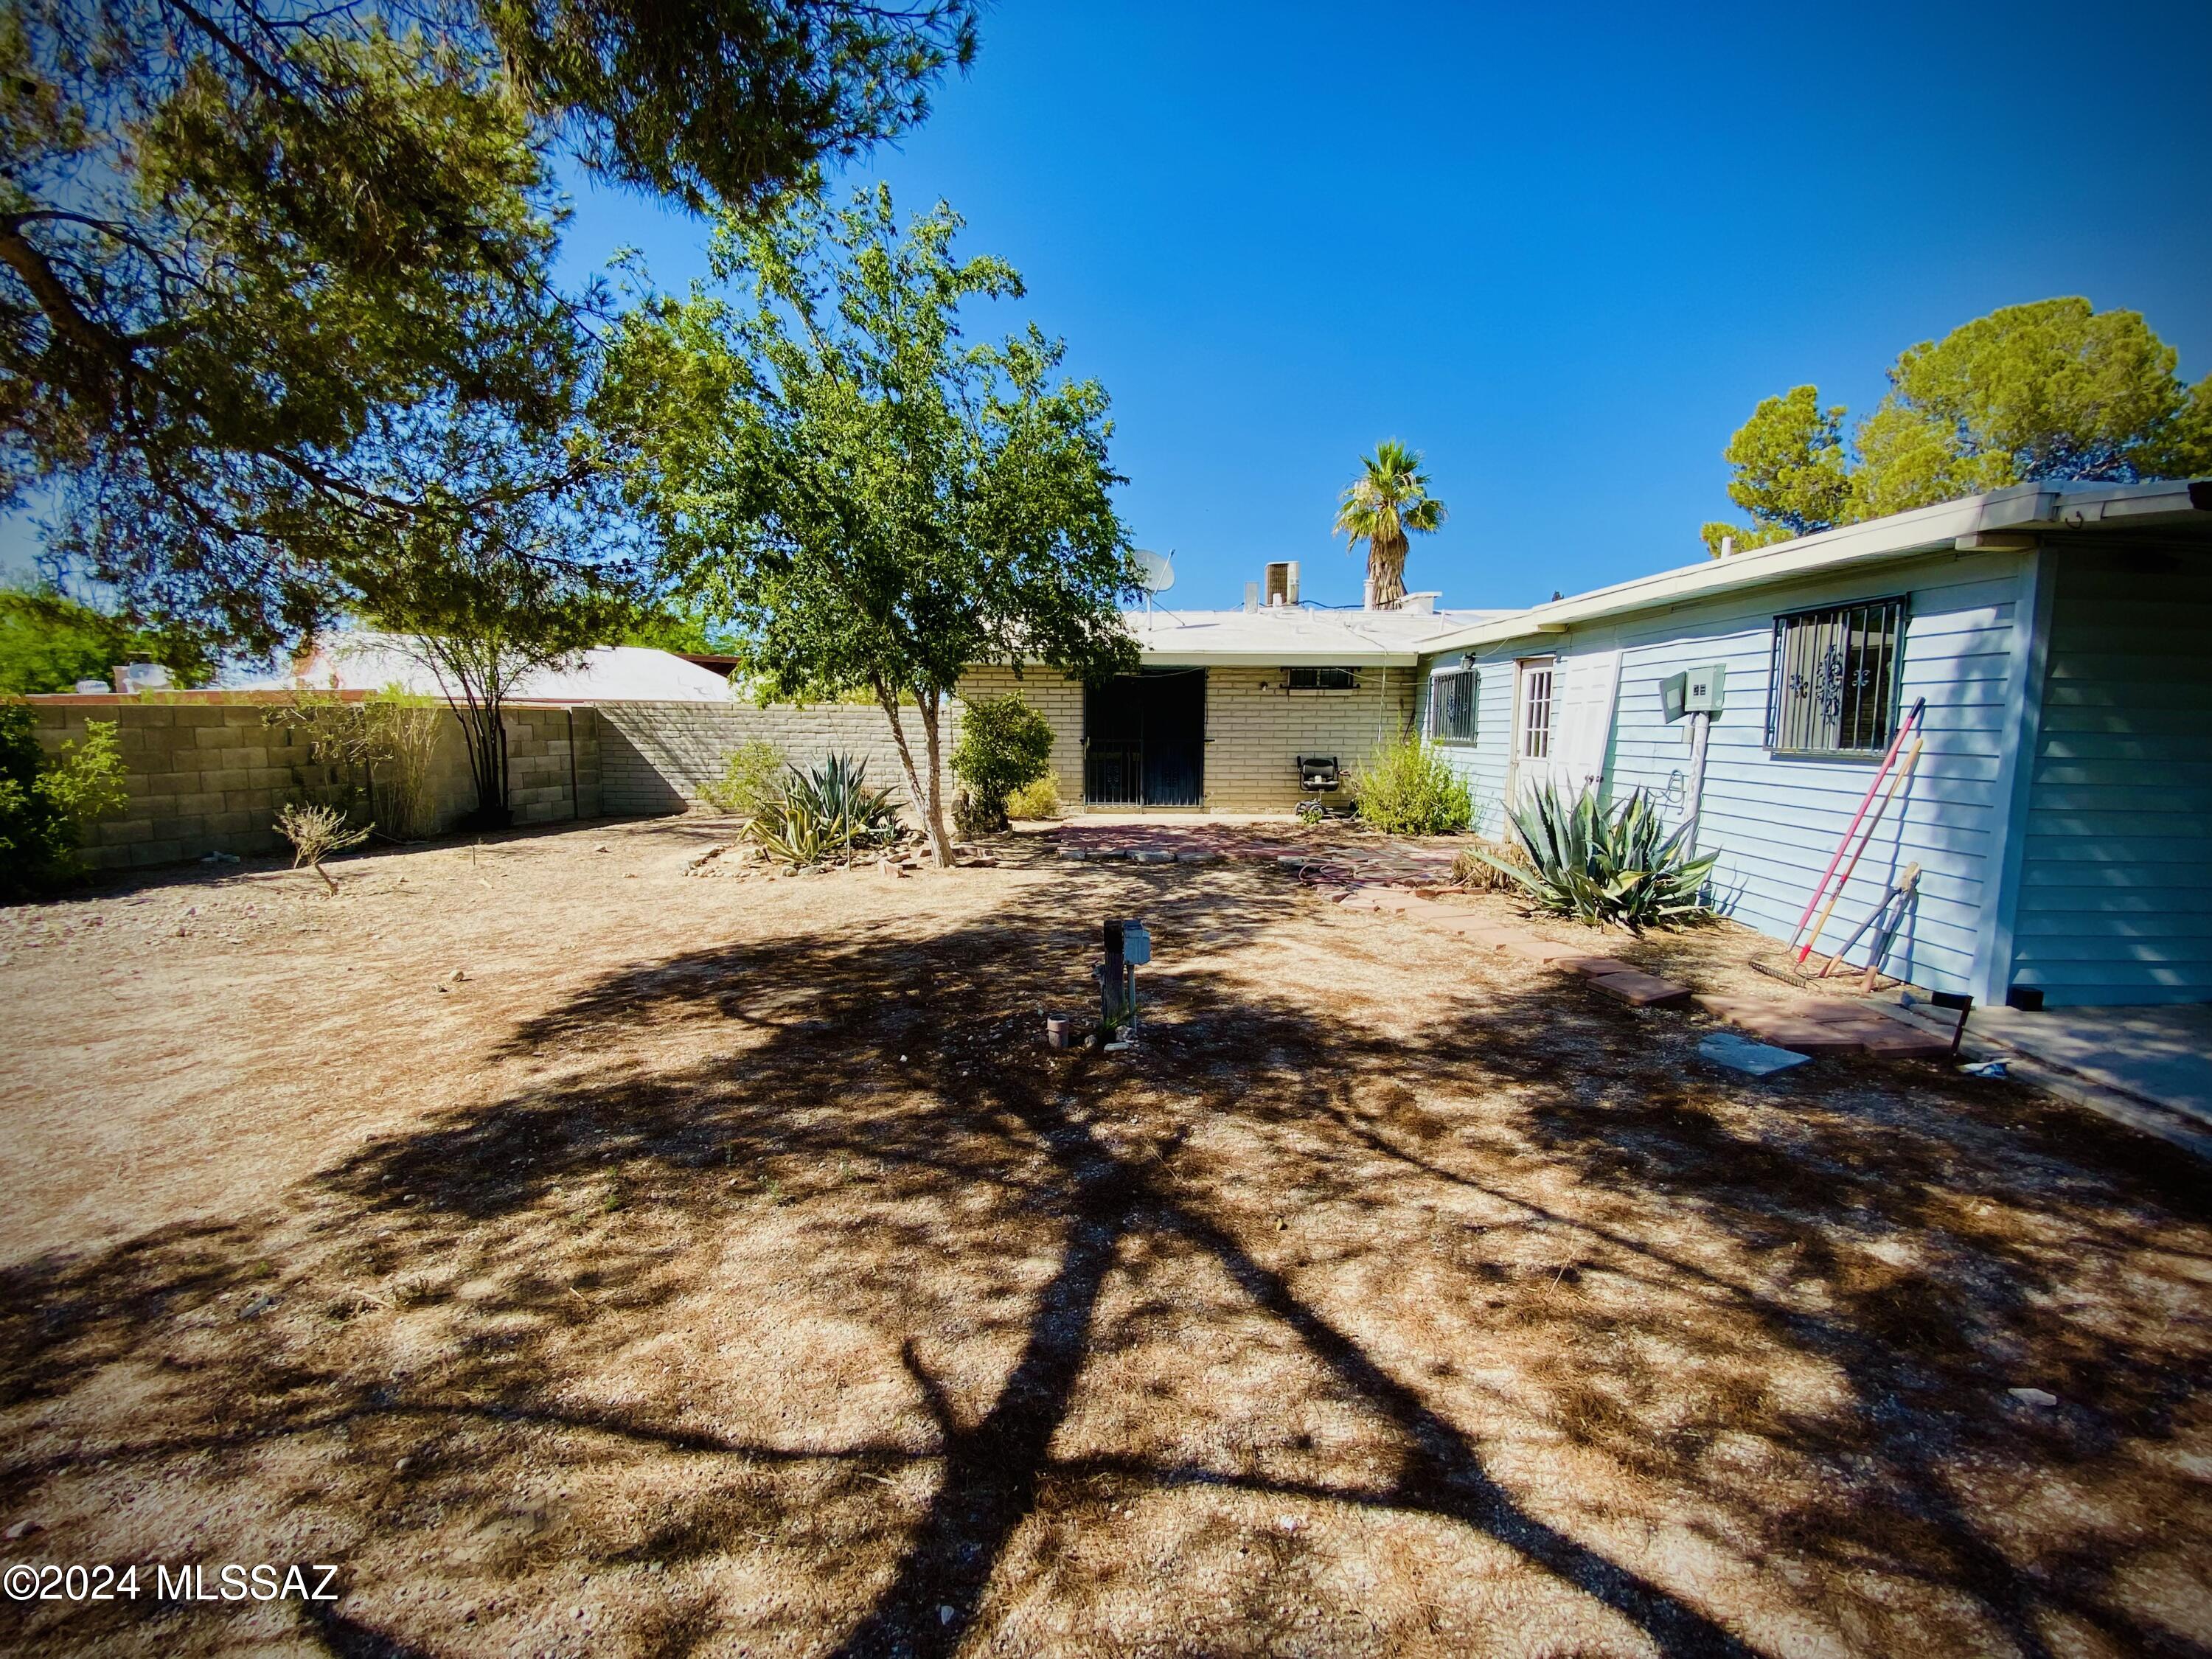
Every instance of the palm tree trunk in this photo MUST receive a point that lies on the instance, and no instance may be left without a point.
(1386, 569)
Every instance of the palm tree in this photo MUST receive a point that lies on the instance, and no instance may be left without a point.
(1389, 497)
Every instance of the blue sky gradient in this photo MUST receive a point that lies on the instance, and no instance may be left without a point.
(1563, 252)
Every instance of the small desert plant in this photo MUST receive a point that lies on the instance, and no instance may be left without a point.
(315, 833)
(825, 814)
(1005, 745)
(1406, 788)
(410, 724)
(47, 801)
(752, 775)
(1620, 867)
(1039, 800)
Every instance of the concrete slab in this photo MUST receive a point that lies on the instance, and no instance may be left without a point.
(2163, 1054)
(1752, 1059)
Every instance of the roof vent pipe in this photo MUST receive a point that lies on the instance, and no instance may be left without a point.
(1251, 596)
(1728, 547)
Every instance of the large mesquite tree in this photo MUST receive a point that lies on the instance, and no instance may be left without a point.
(874, 503)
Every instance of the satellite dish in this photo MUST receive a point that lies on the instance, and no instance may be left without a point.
(1156, 575)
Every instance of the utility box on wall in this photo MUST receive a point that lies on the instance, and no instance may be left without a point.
(1693, 691)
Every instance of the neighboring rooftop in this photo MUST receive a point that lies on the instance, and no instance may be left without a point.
(605, 673)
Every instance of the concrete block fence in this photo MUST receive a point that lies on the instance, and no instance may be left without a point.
(207, 772)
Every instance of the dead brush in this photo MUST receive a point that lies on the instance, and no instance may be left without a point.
(1473, 873)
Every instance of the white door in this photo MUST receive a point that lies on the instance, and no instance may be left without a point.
(1562, 722)
(1584, 721)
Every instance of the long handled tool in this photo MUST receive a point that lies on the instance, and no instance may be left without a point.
(1897, 781)
(1882, 772)
(1881, 921)
(1886, 935)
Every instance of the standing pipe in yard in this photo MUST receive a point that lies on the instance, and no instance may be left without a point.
(1880, 772)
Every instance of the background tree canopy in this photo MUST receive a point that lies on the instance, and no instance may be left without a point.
(2052, 390)
(49, 641)
(875, 504)
(253, 258)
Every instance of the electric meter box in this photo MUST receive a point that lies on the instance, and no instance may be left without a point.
(1693, 691)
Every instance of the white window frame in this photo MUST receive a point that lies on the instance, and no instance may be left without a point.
(1532, 738)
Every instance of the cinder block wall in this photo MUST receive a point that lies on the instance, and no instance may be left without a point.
(655, 756)
(204, 776)
(1256, 728)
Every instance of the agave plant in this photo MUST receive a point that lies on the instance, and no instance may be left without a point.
(1599, 867)
(824, 814)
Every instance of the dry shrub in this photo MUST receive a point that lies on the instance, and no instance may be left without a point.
(315, 833)
(410, 726)
(1478, 875)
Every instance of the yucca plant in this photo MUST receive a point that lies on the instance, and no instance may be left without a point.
(1620, 867)
(828, 813)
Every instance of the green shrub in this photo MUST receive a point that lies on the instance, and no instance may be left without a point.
(1598, 867)
(1039, 800)
(1405, 788)
(47, 800)
(751, 777)
(827, 814)
(1005, 745)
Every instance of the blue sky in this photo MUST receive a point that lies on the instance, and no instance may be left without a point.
(1562, 251)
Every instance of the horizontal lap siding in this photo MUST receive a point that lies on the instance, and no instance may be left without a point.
(1775, 822)
(1483, 762)
(2116, 884)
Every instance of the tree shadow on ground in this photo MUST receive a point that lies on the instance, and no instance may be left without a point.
(857, 1279)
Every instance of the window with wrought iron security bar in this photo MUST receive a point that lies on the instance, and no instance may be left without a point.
(1834, 688)
(1324, 680)
(1536, 722)
(1451, 707)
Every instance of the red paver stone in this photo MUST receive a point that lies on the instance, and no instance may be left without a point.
(1594, 967)
(1901, 1043)
(1643, 990)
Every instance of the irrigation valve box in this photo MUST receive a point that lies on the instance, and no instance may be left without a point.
(1693, 691)
(1136, 944)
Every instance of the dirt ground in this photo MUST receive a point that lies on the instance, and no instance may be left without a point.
(590, 1257)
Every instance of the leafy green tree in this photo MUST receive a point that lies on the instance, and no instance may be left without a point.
(1005, 746)
(2054, 390)
(49, 641)
(875, 504)
(46, 801)
(522, 578)
(251, 254)
(1389, 498)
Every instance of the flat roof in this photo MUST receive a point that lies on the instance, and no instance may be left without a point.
(2000, 519)
(1292, 635)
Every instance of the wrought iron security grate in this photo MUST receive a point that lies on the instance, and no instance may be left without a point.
(1835, 680)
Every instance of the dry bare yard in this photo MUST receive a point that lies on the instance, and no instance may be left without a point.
(724, 1265)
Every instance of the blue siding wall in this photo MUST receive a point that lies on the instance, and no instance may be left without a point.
(2116, 880)
(1775, 822)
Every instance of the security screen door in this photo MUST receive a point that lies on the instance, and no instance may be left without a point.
(1144, 739)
